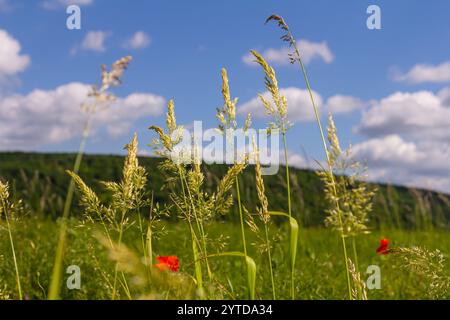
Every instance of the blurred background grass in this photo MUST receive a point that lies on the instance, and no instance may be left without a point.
(320, 270)
(408, 217)
(40, 180)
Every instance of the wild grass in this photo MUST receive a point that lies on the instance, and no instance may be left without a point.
(295, 57)
(7, 209)
(124, 232)
(97, 98)
(321, 270)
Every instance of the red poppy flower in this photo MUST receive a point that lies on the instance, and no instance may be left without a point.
(383, 248)
(168, 263)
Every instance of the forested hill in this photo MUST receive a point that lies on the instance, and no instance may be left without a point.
(40, 180)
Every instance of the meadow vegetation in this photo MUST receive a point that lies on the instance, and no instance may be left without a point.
(169, 229)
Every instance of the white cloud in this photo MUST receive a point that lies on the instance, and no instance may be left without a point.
(390, 149)
(95, 41)
(52, 116)
(299, 105)
(309, 51)
(418, 114)
(444, 96)
(138, 41)
(394, 160)
(56, 4)
(344, 104)
(409, 139)
(421, 73)
(11, 60)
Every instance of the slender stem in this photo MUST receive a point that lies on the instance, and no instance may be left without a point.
(355, 256)
(270, 261)
(57, 266)
(200, 228)
(330, 169)
(124, 280)
(289, 207)
(19, 287)
(143, 243)
(198, 268)
(244, 243)
(241, 216)
(148, 241)
(287, 174)
(108, 235)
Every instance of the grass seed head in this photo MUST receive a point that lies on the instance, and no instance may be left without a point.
(279, 111)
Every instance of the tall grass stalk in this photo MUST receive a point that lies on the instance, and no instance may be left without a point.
(293, 242)
(269, 257)
(241, 216)
(227, 123)
(100, 96)
(355, 256)
(57, 266)
(263, 212)
(244, 242)
(4, 195)
(279, 111)
(296, 57)
(200, 227)
(124, 280)
(288, 185)
(16, 268)
(196, 257)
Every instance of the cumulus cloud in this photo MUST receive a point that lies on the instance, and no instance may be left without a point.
(11, 59)
(444, 96)
(419, 163)
(44, 117)
(344, 104)
(419, 114)
(299, 105)
(409, 139)
(95, 41)
(308, 49)
(388, 150)
(57, 4)
(421, 73)
(138, 41)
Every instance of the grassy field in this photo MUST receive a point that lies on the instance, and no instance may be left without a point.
(320, 271)
(110, 227)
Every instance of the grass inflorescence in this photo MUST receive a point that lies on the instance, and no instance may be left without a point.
(132, 245)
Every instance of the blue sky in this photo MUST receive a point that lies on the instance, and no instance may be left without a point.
(391, 84)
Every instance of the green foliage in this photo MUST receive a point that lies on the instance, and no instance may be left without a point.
(394, 207)
(322, 271)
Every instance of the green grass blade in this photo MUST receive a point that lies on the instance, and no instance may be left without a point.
(198, 268)
(293, 225)
(251, 269)
(251, 276)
